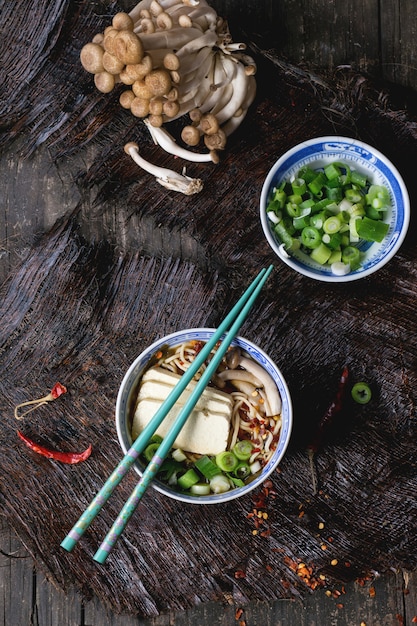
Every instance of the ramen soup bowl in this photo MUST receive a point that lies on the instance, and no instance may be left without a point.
(292, 203)
(220, 422)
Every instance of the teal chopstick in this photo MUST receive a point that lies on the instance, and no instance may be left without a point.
(166, 445)
(140, 443)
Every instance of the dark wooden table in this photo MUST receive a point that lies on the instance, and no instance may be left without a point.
(36, 192)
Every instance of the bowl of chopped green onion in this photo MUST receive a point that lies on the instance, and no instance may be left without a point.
(235, 436)
(334, 209)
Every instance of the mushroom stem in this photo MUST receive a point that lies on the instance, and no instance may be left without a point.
(271, 391)
(162, 138)
(165, 177)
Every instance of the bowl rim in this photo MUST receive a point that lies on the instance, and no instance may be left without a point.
(132, 375)
(295, 263)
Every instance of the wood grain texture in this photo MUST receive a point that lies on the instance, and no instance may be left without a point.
(80, 304)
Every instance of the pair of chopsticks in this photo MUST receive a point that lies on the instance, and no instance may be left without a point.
(230, 325)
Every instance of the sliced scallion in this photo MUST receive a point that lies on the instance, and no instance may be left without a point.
(207, 467)
(227, 461)
(220, 484)
(200, 489)
(188, 479)
(243, 449)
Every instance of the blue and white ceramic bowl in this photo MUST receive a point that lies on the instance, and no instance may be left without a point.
(317, 153)
(128, 392)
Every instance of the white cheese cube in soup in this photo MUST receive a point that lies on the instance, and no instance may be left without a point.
(206, 431)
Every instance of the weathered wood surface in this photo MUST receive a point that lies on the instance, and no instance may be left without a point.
(40, 189)
(28, 599)
(375, 36)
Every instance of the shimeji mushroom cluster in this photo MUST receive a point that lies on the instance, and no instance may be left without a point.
(176, 59)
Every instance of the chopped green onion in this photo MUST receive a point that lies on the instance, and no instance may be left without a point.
(321, 254)
(220, 484)
(284, 235)
(207, 467)
(378, 196)
(333, 241)
(280, 198)
(361, 393)
(150, 450)
(317, 184)
(307, 173)
(188, 479)
(372, 230)
(178, 455)
(351, 256)
(344, 209)
(299, 186)
(243, 449)
(255, 467)
(238, 482)
(301, 222)
(227, 461)
(332, 171)
(242, 470)
(359, 179)
(310, 237)
(332, 225)
(200, 489)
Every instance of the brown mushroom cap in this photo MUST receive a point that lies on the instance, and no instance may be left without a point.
(156, 120)
(140, 107)
(209, 124)
(171, 108)
(110, 34)
(123, 21)
(190, 135)
(156, 105)
(171, 61)
(104, 81)
(195, 115)
(91, 57)
(141, 90)
(164, 21)
(217, 141)
(130, 145)
(111, 63)
(159, 82)
(126, 98)
(125, 78)
(138, 71)
(128, 47)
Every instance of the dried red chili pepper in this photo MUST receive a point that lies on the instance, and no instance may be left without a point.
(64, 457)
(333, 409)
(56, 391)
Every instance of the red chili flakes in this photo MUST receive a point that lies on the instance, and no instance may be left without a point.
(340, 605)
(414, 620)
(238, 613)
(400, 618)
(372, 592)
(239, 573)
(259, 514)
(305, 573)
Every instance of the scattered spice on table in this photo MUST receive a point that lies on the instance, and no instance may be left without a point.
(259, 514)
